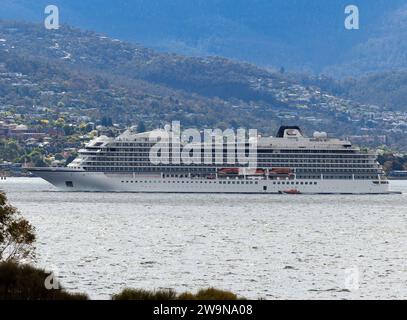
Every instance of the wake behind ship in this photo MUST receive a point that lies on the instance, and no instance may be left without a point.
(288, 163)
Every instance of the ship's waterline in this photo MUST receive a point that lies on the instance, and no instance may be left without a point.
(268, 246)
(102, 182)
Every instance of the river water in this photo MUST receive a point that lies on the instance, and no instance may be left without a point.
(258, 246)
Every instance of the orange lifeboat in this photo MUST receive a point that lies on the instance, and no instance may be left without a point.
(292, 191)
(242, 172)
(229, 171)
(285, 171)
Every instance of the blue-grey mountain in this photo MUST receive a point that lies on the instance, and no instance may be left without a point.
(297, 34)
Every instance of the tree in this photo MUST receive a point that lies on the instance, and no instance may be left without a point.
(17, 235)
(10, 150)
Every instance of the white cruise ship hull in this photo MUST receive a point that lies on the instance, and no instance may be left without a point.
(82, 181)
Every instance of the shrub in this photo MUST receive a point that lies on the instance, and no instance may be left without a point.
(209, 294)
(24, 282)
(204, 294)
(140, 294)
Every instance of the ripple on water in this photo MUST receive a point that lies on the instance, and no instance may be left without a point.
(274, 247)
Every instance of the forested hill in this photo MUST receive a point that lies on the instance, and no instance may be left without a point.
(385, 89)
(78, 70)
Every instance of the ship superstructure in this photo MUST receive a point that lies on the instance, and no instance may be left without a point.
(286, 163)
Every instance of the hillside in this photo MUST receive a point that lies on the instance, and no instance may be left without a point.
(388, 89)
(385, 89)
(384, 50)
(85, 73)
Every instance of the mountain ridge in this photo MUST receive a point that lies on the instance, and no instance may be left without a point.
(299, 35)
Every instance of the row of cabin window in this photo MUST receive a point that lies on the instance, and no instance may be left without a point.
(210, 182)
(228, 182)
(296, 182)
(91, 167)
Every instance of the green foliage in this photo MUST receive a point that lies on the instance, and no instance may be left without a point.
(35, 156)
(17, 235)
(24, 282)
(10, 150)
(69, 130)
(204, 294)
(391, 162)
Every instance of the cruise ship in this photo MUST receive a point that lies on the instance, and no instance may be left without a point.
(288, 163)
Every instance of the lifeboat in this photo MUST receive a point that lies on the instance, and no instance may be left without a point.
(229, 171)
(260, 172)
(252, 172)
(285, 171)
(241, 172)
(292, 191)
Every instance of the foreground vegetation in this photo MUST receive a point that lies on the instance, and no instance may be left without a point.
(24, 282)
(17, 235)
(169, 294)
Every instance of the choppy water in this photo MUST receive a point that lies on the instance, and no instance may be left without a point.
(259, 246)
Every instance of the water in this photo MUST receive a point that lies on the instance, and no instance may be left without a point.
(258, 246)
